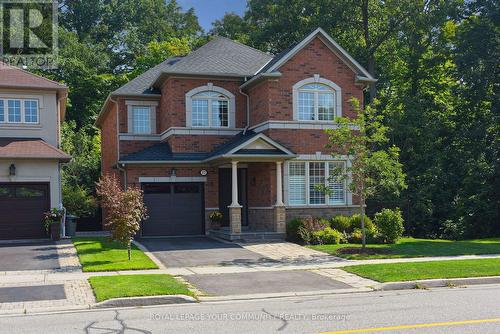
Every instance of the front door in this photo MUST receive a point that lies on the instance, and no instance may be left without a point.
(225, 189)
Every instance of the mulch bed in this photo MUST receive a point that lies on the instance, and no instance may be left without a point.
(366, 251)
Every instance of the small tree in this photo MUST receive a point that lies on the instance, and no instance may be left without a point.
(373, 168)
(124, 209)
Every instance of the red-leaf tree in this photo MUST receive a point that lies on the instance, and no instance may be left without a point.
(124, 209)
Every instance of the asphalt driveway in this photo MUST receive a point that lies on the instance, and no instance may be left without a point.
(263, 282)
(28, 256)
(199, 251)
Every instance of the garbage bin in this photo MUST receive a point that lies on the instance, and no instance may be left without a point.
(71, 225)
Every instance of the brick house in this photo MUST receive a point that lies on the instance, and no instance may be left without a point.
(231, 128)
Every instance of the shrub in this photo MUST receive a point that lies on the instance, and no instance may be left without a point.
(292, 230)
(308, 226)
(355, 221)
(390, 224)
(341, 223)
(78, 201)
(327, 236)
(356, 237)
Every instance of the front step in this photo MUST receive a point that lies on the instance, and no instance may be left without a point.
(248, 236)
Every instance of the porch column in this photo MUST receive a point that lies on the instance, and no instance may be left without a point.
(279, 207)
(235, 207)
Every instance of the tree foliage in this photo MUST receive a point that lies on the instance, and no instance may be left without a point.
(372, 168)
(125, 209)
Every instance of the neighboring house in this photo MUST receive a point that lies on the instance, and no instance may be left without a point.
(31, 111)
(231, 128)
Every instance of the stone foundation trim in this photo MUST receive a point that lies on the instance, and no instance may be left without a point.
(280, 219)
(235, 219)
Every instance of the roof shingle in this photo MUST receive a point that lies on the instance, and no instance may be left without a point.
(30, 149)
(11, 76)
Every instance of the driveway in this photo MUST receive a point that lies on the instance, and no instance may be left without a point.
(263, 282)
(29, 256)
(200, 251)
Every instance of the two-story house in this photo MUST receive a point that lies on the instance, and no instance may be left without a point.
(231, 128)
(31, 111)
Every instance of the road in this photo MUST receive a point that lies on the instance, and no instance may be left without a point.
(446, 310)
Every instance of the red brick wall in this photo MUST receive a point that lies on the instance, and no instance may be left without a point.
(109, 142)
(300, 141)
(195, 143)
(173, 100)
(261, 184)
(131, 146)
(315, 58)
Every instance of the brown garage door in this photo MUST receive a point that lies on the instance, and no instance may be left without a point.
(174, 209)
(21, 210)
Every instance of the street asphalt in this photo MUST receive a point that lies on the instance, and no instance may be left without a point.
(443, 310)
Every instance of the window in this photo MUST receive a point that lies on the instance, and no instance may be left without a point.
(19, 111)
(305, 177)
(31, 111)
(316, 99)
(14, 111)
(2, 111)
(316, 103)
(210, 109)
(141, 119)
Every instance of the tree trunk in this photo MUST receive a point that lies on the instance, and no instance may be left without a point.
(363, 229)
(129, 250)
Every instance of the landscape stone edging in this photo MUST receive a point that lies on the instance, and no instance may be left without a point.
(145, 301)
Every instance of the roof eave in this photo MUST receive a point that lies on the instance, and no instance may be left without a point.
(319, 31)
(164, 75)
(260, 77)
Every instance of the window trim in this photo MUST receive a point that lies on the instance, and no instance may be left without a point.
(151, 105)
(211, 88)
(317, 79)
(22, 108)
(347, 194)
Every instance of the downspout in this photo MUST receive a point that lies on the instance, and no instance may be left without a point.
(59, 178)
(248, 111)
(120, 168)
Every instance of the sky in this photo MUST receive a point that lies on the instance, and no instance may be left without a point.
(211, 10)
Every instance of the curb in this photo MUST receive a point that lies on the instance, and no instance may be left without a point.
(437, 283)
(149, 254)
(145, 301)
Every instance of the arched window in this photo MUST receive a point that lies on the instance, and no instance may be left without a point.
(316, 99)
(210, 106)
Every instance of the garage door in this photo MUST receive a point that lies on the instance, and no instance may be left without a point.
(174, 209)
(21, 210)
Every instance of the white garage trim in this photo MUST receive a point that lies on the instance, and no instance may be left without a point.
(148, 179)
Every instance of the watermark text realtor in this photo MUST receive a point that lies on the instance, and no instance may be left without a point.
(29, 33)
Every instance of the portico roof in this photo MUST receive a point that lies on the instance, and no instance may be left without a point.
(245, 146)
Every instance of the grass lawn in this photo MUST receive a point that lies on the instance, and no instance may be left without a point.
(409, 247)
(393, 272)
(100, 254)
(107, 287)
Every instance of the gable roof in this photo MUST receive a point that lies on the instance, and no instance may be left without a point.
(284, 56)
(15, 77)
(220, 56)
(142, 84)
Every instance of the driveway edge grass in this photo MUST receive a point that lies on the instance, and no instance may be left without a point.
(101, 254)
(123, 286)
(410, 247)
(412, 271)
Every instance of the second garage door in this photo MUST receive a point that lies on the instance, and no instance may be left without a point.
(174, 209)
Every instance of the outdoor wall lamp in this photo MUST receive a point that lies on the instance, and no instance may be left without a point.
(12, 170)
